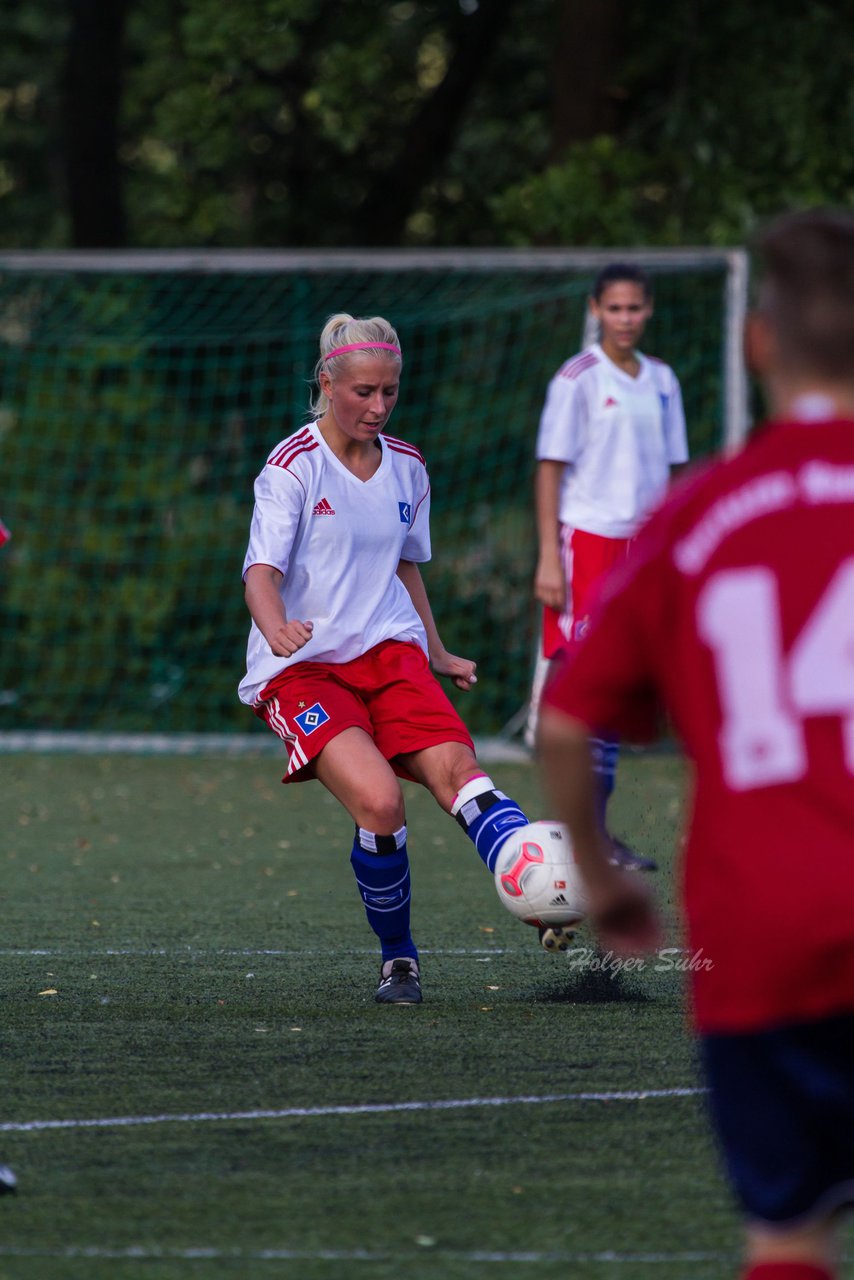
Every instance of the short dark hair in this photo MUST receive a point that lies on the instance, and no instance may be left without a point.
(806, 291)
(617, 273)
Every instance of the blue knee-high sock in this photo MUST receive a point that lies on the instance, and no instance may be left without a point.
(381, 867)
(487, 816)
(605, 752)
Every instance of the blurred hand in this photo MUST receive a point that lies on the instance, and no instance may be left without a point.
(623, 913)
(550, 584)
(460, 670)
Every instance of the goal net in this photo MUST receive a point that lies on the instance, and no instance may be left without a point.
(141, 393)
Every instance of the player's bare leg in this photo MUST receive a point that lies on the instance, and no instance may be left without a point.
(444, 769)
(362, 780)
(459, 785)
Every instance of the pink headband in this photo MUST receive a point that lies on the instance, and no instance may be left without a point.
(362, 346)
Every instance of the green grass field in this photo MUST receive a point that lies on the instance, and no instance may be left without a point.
(183, 947)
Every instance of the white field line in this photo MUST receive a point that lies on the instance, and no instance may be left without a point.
(494, 750)
(141, 1253)
(361, 1109)
(189, 952)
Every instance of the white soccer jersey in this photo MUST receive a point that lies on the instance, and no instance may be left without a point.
(618, 436)
(337, 540)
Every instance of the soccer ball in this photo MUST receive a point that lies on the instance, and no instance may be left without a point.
(536, 876)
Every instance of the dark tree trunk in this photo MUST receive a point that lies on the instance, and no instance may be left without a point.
(92, 97)
(586, 62)
(298, 163)
(383, 216)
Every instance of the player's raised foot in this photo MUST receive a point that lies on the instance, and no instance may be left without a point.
(623, 856)
(556, 937)
(399, 982)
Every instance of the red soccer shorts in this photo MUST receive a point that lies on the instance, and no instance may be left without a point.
(587, 558)
(390, 692)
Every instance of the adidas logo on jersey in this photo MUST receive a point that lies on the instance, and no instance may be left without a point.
(323, 509)
(610, 403)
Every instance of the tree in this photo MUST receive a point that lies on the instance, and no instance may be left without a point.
(423, 148)
(311, 123)
(727, 115)
(346, 122)
(93, 79)
(32, 193)
(588, 48)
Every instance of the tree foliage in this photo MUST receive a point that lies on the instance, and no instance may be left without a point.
(346, 122)
(733, 113)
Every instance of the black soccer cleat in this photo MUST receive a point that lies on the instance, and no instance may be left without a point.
(628, 859)
(8, 1181)
(556, 937)
(399, 982)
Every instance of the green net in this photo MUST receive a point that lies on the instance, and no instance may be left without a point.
(136, 408)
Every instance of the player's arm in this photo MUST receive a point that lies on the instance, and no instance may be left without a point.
(264, 602)
(549, 580)
(279, 498)
(676, 430)
(621, 908)
(460, 670)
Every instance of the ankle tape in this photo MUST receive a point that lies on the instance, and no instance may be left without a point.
(472, 809)
(370, 842)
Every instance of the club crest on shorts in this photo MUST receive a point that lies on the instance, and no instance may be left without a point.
(311, 719)
(405, 509)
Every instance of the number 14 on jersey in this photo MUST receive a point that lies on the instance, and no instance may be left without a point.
(765, 695)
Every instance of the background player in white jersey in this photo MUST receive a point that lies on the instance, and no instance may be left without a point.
(611, 432)
(343, 637)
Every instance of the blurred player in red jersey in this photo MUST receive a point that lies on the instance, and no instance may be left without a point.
(343, 637)
(611, 432)
(735, 612)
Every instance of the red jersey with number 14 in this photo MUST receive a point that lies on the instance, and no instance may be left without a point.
(735, 611)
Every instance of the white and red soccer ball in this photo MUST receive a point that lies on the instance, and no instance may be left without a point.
(536, 876)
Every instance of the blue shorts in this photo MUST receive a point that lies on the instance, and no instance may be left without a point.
(782, 1104)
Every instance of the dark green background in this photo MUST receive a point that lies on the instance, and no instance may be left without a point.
(137, 408)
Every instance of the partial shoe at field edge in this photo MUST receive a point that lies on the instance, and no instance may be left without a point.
(629, 859)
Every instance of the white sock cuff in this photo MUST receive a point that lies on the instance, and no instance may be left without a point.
(368, 839)
(474, 787)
